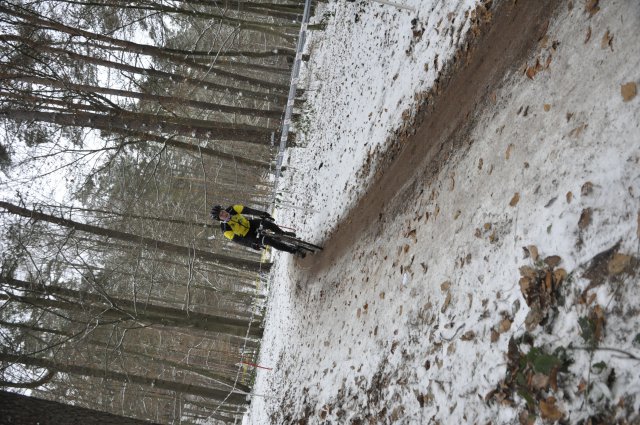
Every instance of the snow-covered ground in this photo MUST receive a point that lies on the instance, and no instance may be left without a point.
(413, 323)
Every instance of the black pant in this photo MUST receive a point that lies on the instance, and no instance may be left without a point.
(268, 240)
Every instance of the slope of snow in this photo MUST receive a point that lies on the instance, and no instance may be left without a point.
(413, 324)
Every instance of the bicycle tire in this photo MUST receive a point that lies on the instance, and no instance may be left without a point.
(293, 241)
(299, 242)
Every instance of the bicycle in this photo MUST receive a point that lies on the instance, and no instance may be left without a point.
(291, 241)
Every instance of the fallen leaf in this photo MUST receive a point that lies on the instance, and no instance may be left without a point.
(504, 326)
(444, 286)
(607, 40)
(549, 410)
(628, 91)
(533, 251)
(569, 197)
(507, 154)
(514, 200)
(552, 261)
(468, 336)
(529, 272)
(586, 189)
(495, 335)
(539, 381)
(618, 263)
(446, 303)
(531, 72)
(585, 219)
(588, 36)
(525, 285)
(592, 7)
(546, 107)
(559, 275)
(582, 386)
(576, 132)
(451, 348)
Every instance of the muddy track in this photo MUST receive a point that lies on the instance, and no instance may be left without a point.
(501, 41)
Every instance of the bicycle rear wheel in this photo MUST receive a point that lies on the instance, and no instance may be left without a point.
(296, 243)
(299, 243)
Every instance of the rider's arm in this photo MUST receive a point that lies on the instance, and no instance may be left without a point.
(241, 209)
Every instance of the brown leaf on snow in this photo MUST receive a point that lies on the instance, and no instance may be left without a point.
(504, 326)
(588, 36)
(549, 410)
(582, 386)
(507, 154)
(531, 72)
(525, 284)
(546, 107)
(628, 91)
(576, 132)
(514, 200)
(468, 336)
(607, 40)
(528, 272)
(618, 263)
(446, 303)
(585, 219)
(539, 381)
(559, 275)
(533, 251)
(444, 286)
(495, 335)
(592, 7)
(586, 189)
(552, 261)
(569, 197)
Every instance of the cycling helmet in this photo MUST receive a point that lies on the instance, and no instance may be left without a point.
(215, 212)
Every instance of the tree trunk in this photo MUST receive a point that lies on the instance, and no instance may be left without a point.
(101, 373)
(19, 409)
(278, 98)
(123, 309)
(128, 123)
(162, 100)
(144, 49)
(167, 247)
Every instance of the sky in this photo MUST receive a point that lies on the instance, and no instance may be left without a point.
(412, 324)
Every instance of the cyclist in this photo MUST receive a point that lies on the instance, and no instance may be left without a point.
(240, 229)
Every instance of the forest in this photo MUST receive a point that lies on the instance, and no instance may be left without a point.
(121, 123)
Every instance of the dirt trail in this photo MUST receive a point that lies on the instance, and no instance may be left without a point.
(503, 38)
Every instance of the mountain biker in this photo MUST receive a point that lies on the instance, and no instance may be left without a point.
(240, 229)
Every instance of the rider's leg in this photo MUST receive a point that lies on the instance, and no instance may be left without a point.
(279, 245)
(276, 229)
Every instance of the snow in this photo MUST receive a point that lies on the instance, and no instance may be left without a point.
(378, 334)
